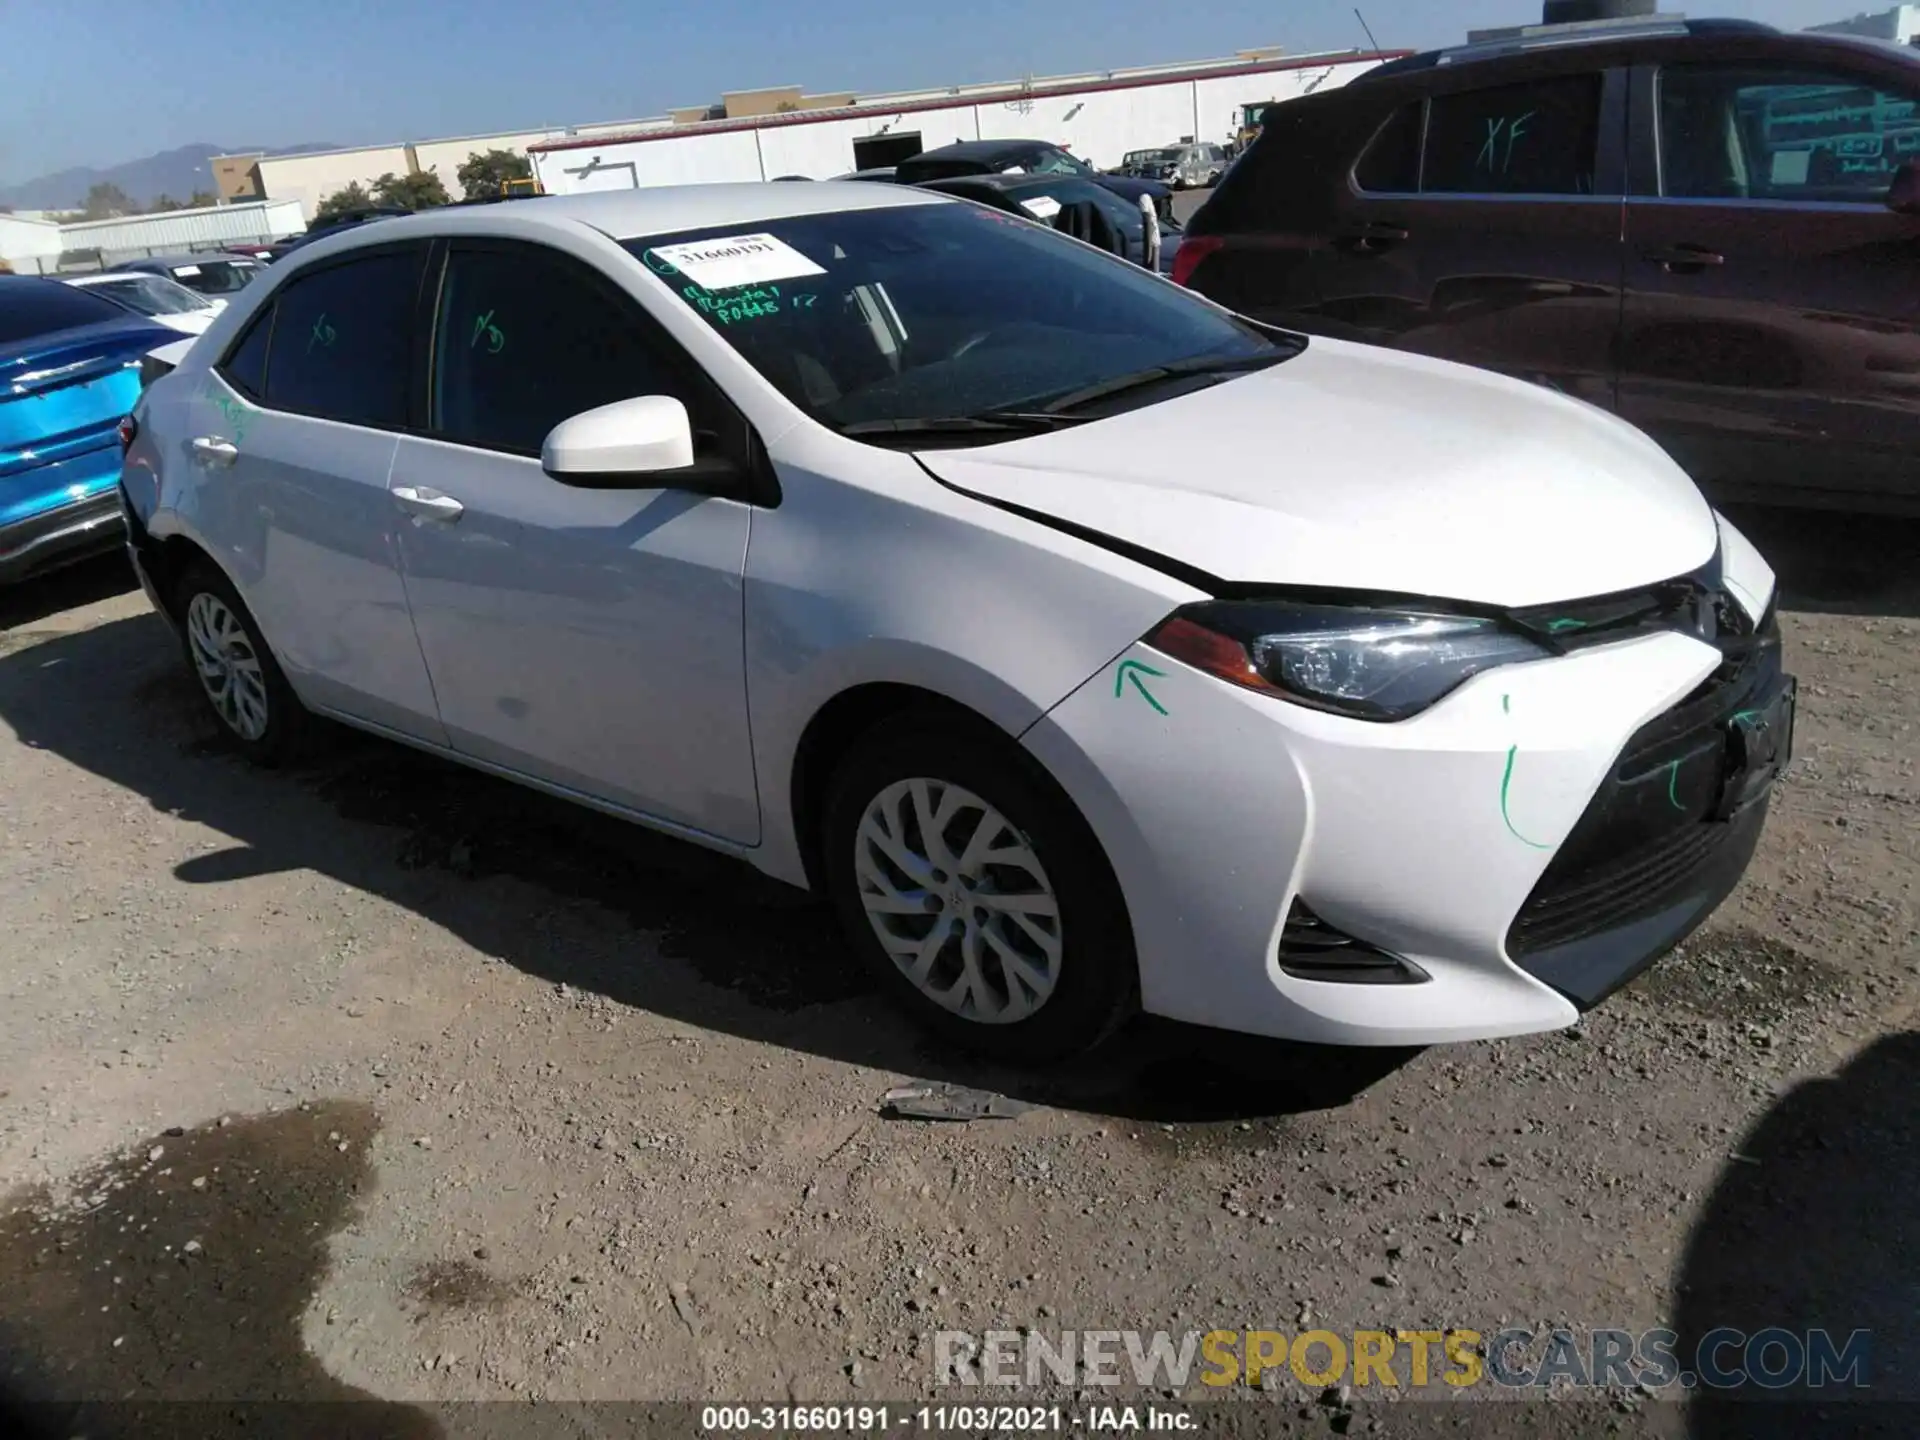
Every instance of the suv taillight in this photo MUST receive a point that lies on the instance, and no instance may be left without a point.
(1193, 249)
(129, 427)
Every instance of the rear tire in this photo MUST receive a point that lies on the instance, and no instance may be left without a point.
(975, 892)
(234, 668)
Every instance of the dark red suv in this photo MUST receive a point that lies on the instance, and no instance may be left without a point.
(1711, 228)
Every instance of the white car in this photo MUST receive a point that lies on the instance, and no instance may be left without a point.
(1084, 645)
(166, 301)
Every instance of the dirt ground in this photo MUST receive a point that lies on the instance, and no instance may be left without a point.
(382, 1080)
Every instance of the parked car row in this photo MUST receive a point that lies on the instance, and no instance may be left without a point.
(1709, 228)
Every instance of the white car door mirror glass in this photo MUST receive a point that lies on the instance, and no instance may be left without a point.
(646, 435)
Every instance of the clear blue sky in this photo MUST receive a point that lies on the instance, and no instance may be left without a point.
(96, 82)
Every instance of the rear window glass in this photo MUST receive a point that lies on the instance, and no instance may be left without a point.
(29, 308)
(1540, 138)
(1391, 164)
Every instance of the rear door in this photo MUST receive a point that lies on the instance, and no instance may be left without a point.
(1772, 335)
(295, 433)
(1483, 225)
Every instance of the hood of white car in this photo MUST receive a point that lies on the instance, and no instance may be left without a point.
(1354, 467)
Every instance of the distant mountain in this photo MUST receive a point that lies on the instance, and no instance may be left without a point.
(172, 172)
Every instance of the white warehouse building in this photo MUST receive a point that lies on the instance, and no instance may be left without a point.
(1098, 117)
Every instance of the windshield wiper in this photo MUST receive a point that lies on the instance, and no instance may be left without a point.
(1016, 422)
(1178, 369)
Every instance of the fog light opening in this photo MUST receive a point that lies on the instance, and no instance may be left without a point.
(1311, 949)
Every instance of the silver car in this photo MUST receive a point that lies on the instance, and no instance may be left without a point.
(1184, 167)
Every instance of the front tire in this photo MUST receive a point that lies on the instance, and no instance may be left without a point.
(975, 893)
(235, 670)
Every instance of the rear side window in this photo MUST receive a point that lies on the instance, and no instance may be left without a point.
(1391, 164)
(1540, 138)
(342, 341)
(29, 308)
(245, 367)
(525, 340)
(1740, 132)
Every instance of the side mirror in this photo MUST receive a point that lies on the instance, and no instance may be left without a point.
(1904, 196)
(628, 445)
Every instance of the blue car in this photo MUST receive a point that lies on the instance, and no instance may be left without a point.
(70, 370)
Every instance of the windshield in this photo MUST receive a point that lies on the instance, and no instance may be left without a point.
(150, 295)
(943, 309)
(1050, 161)
(215, 277)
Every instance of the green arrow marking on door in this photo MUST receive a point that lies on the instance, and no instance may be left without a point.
(1133, 670)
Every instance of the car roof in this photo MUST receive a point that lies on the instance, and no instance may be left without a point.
(980, 149)
(185, 257)
(663, 209)
(1525, 49)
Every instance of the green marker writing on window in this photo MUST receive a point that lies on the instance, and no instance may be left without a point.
(485, 329)
(323, 333)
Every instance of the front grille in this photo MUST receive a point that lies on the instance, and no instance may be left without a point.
(1658, 821)
(1642, 883)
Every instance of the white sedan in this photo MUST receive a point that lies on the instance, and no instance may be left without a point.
(1086, 646)
(155, 296)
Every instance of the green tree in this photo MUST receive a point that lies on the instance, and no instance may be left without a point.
(484, 173)
(107, 200)
(201, 199)
(164, 203)
(419, 191)
(354, 197)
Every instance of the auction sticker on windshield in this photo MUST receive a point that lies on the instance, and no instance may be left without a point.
(730, 260)
(1041, 207)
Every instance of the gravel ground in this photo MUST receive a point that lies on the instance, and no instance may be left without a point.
(383, 1080)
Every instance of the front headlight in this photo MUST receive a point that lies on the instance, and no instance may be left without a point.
(1370, 663)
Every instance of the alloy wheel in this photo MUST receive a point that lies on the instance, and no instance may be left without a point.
(959, 900)
(228, 666)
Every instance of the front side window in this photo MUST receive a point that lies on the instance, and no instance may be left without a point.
(1539, 138)
(523, 341)
(342, 340)
(1747, 133)
(914, 311)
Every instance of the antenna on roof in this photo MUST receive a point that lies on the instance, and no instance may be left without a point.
(1366, 27)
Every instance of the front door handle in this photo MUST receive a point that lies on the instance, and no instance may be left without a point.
(425, 504)
(1683, 259)
(214, 450)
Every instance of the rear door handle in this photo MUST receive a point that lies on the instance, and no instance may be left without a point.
(1681, 258)
(214, 450)
(1372, 236)
(426, 504)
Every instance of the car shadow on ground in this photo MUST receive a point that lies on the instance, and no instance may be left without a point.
(68, 588)
(754, 958)
(1812, 1227)
(1831, 562)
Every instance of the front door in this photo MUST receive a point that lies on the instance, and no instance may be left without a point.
(592, 639)
(1487, 231)
(1772, 332)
